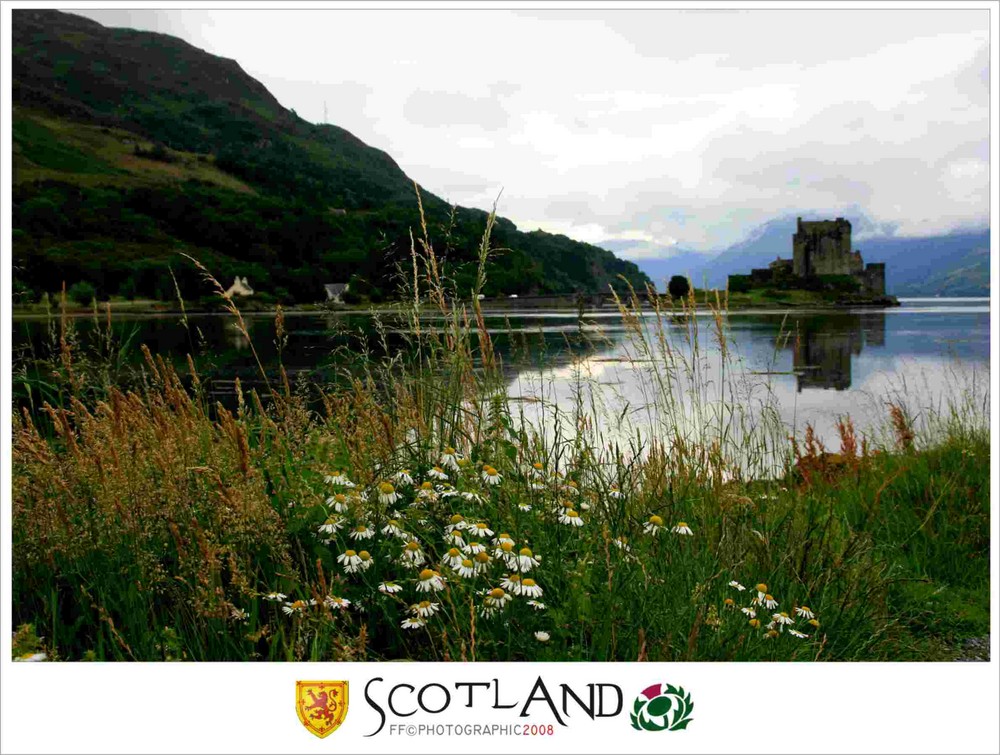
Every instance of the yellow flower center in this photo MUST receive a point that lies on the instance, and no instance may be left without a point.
(806, 608)
(514, 578)
(386, 488)
(656, 520)
(456, 518)
(463, 462)
(453, 552)
(427, 574)
(489, 470)
(526, 552)
(728, 602)
(529, 582)
(467, 563)
(814, 622)
(426, 485)
(572, 514)
(506, 547)
(340, 498)
(483, 557)
(331, 520)
(571, 484)
(365, 555)
(682, 524)
(449, 451)
(497, 593)
(361, 528)
(299, 604)
(393, 522)
(481, 527)
(537, 465)
(772, 632)
(504, 536)
(412, 546)
(438, 469)
(350, 554)
(754, 623)
(762, 587)
(783, 615)
(768, 597)
(424, 604)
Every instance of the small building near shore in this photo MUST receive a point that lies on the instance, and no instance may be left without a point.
(240, 287)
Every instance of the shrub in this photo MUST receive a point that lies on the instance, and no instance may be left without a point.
(82, 292)
(679, 287)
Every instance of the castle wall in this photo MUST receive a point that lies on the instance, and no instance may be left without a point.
(823, 247)
(873, 279)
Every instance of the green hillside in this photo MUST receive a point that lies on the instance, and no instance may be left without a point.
(130, 147)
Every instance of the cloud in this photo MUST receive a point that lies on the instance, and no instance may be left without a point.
(667, 128)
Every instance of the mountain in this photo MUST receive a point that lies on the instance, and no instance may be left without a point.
(131, 146)
(955, 264)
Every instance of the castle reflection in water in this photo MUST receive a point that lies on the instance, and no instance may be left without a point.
(823, 346)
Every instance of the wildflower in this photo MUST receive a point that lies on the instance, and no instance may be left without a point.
(796, 633)
(524, 507)
(814, 622)
(339, 502)
(542, 636)
(729, 602)
(362, 532)
(447, 491)
(771, 634)
(403, 477)
(437, 473)
(475, 547)
(449, 458)
(480, 530)
(430, 581)
(505, 552)
(769, 602)
(571, 518)
(622, 543)
(805, 612)
(426, 492)
(471, 497)
(331, 525)
(755, 623)
(337, 604)
(457, 522)
(424, 609)
(412, 553)
(275, 596)
(681, 528)
(490, 475)
(537, 605)
(530, 588)
(351, 561)
(482, 561)
(571, 487)
(453, 558)
(512, 582)
(525, 560)
(761, 592)
(410, 623)
(366, 560)
(749, 612)
(392, 528)
(782, 618)
(338, 478)
(389, 588)
(387, 494)
(615, 492)
(31, 657)
(455, 539)
(299, 606)
(497, 598)
(737, 586)
(654, 525)
(238, 614)
(503, 537)
(466, 569)
(463, 462)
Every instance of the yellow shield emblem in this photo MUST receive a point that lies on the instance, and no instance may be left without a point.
(321, 706)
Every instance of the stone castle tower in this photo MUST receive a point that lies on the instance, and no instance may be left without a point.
(823, 247)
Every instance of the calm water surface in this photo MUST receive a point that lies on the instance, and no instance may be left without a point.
(812, 366)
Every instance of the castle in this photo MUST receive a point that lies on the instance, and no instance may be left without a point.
(819, 248)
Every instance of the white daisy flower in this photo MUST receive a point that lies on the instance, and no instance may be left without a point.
(537, 485)
(337, 604)
(424, 609)
(530, 588)
(505, 552)
(447, 491)
(411, 623)
(239, 614)
(654, 525)
(525, 560)
(350, 560)
(681, 528)
(749, 612)
(393, 528)
(449, 458)
(427, 492)
(275, 596)
(362, 532)
(783, 618)
(536, 470)
(796, 633)
(769, 602)
(436, 473)
(490, 475)
(571, 487)
(430, 581)
(471, 497)
(331, 525)
(31, 658)
(456, 522)
(622, 543)
(479, 530)
(298, 606)
(366, 560)
(338, 478)
(412, 554)
(571, 517)
(503, 537)
(339, 502)
(615, 492)
(474, 547)
(453, 558)
(761, 589)
(387, 494)
(389, 588)
(542, 636)
(455, 539)
(524, 506)
(466, 569)
(497, 598)
(512, 583)
(482, 561)
(737, 586)
(537, 605)
(403, 477)
(805, 612)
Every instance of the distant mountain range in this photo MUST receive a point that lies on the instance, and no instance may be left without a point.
(954, 264)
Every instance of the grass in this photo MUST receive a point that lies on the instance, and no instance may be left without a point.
(151, 525)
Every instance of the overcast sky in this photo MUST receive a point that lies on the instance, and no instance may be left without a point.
(670, 129)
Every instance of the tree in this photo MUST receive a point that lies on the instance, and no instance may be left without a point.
(82, 293)
(679, 287)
